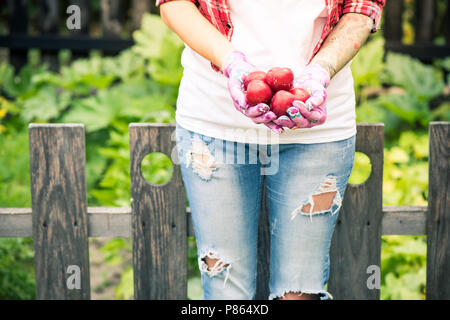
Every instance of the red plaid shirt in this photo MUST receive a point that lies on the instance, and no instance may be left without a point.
(218, 13)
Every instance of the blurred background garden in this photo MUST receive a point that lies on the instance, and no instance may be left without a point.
(106, 92)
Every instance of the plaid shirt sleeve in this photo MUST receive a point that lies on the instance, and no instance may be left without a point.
(159, 2)
(337, 8)
(370, 8)
(218, 13)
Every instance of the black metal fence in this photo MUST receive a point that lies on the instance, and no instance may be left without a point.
(116, 17)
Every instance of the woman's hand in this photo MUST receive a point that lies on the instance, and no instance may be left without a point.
(314, 79)
(236, 68)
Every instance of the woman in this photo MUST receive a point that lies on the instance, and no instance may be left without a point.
(223, 153)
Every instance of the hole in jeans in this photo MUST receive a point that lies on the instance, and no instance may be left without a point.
(202, 161)
(322, 200)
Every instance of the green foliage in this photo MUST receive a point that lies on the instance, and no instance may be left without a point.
(156, 42)
(105, 94)
(405, 171)
(16, 269)
(368, 64)
(15, 172)
(422, 81)
(157, 168)
(397, 90)
(403, 265)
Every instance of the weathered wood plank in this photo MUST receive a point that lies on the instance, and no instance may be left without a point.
(356, 243)
(159, 228)
(110, 224)
(116, 221)
(59, 206)
(15, 222)
(438, 218)
(263, 271)
(404, 220)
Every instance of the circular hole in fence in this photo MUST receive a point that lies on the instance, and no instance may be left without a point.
(157, 168)
(361, 169)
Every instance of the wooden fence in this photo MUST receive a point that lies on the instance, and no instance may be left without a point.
(61, 222)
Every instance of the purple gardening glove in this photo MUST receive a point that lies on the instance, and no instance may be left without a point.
(314, 79)
(236, 68)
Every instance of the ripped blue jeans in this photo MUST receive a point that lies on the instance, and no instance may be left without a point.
(305, 187)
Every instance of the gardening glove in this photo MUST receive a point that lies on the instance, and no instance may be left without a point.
(314, 79)
(235, 67)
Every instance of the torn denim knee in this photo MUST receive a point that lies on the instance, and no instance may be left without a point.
(323, 294)
(219, 267)
(201, 160)
(329, 185)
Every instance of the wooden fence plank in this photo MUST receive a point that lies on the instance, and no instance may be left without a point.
(404, 220)
(356, 243)
(158, 220)
(15, 222)
(263, 271)
(116, 222)
(438, 219)
(59, 206)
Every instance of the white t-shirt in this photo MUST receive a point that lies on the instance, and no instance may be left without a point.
(271, 34)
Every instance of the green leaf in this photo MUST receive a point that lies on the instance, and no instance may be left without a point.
(45, 105)
(417, 78)
(161, 47)
(407, 107)
(446, 63)
(397, 155)
(373, 111)
(368, 63)
(442, 112)
(125, 290)
(6, 73)
(95, 112)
